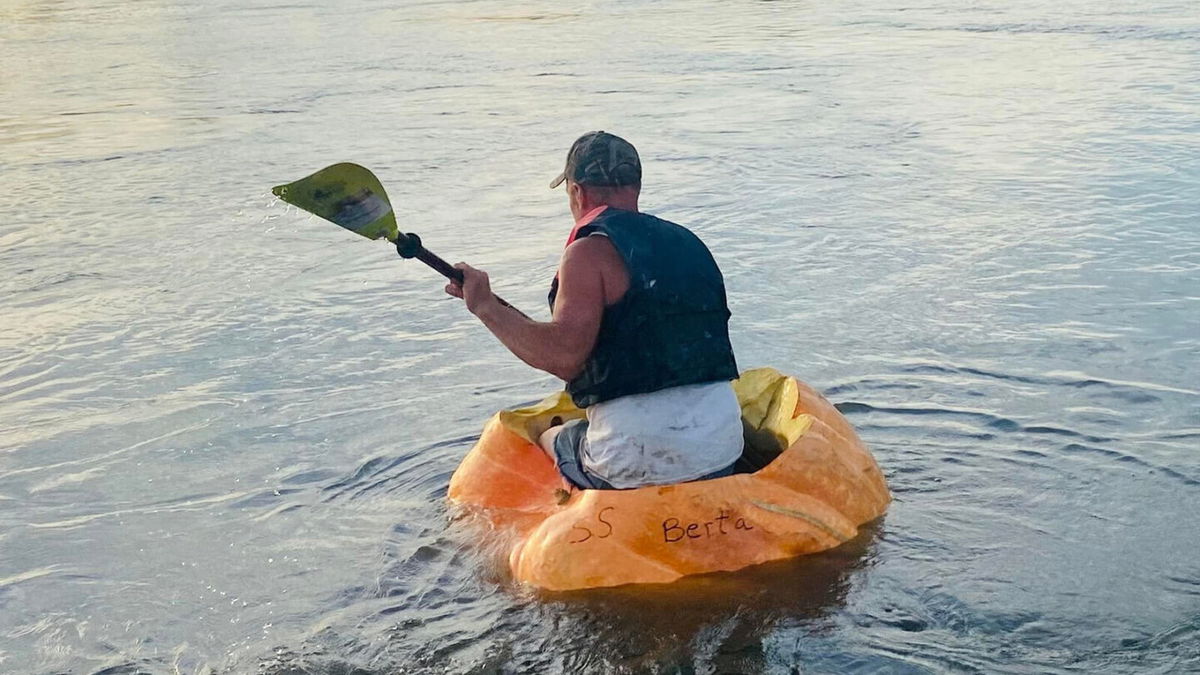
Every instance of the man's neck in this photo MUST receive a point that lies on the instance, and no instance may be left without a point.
(623, 202)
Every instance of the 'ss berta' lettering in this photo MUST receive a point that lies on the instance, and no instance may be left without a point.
(581, 532)
(675, 530)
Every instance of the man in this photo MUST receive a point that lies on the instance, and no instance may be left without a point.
(639, 332)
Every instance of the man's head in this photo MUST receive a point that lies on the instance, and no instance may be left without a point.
(601, 169)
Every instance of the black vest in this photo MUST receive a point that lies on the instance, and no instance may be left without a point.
(671, 328)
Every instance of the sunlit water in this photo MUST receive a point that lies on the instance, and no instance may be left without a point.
(226, 428)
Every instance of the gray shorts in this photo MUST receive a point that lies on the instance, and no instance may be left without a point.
(568, 446)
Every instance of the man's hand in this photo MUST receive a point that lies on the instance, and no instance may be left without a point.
(475, 290)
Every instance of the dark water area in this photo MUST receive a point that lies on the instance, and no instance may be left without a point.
(226, 428)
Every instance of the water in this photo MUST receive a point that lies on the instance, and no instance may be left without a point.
(226, 428)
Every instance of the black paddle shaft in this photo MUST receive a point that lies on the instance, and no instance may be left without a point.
(409, 246)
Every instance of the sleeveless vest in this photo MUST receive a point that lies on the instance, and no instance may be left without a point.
(671, 328)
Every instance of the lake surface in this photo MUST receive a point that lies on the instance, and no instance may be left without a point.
(226, 428)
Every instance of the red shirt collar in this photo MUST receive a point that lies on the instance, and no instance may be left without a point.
(585, 221)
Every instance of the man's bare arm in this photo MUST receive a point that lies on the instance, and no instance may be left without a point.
(562, 345)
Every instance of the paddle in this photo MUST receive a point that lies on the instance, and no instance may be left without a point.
(351, 196)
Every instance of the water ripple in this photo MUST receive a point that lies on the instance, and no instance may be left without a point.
(226, 428)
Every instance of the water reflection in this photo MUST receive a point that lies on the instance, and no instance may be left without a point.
(450, 601)
(716, 621)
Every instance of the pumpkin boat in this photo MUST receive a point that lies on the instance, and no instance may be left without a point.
(805, 483)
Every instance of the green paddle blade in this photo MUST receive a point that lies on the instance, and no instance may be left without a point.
(346, 194)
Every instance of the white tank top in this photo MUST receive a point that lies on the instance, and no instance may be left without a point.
(667, 436)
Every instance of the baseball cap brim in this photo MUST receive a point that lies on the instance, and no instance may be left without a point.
(559, 180)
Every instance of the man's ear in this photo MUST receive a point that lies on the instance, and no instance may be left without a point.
(576, 193)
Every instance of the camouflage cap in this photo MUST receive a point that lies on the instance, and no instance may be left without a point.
(600, 158)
